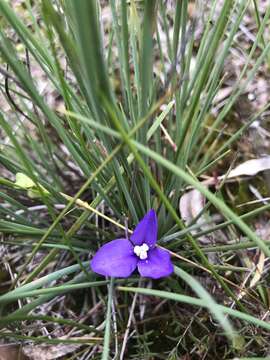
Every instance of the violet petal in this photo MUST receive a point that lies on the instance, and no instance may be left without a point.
(116, 259)
(157, 265)
(146, 230)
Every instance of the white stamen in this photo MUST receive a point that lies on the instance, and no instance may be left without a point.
(145, 247)
(143, 255)
(137, 250)
(141, 251)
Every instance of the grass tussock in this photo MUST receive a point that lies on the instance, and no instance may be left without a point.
(112, 108)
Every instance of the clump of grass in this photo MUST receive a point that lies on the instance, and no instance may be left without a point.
(124, 124)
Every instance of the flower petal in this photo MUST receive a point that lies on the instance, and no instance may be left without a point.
(116, 259)
(157, 265)
(146, 230)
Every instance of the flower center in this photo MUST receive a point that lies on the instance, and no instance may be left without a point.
(141, 251)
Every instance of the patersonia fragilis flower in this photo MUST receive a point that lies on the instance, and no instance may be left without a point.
(120, 257)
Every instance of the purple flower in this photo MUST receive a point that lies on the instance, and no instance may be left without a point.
(120, 257)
